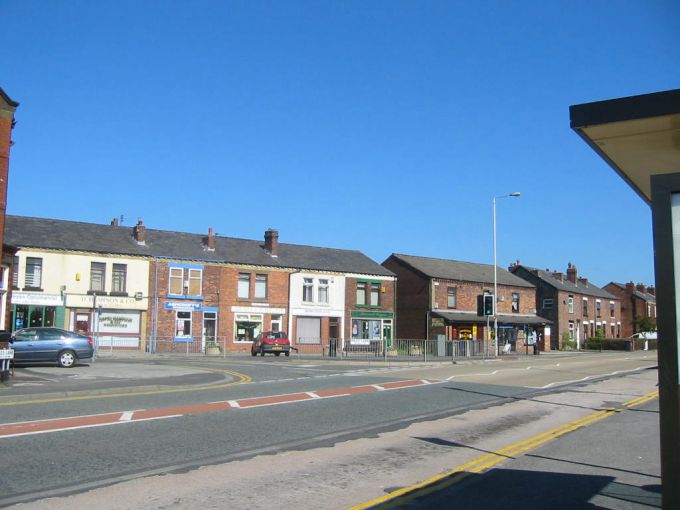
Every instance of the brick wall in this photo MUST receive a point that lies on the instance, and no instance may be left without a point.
(387, 294)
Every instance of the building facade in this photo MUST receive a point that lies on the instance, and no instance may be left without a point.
(441, 298)
(637, 302)
(577, 308)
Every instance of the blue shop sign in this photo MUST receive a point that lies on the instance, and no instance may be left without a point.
(183, 307)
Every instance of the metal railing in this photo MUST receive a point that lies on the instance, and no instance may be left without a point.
(392, 350)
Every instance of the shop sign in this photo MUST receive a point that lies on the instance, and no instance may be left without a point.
(111, 322)
(183, 307)
(437, 322)
(36, 298)
(258, 309)
(373, 315)
(128, 303)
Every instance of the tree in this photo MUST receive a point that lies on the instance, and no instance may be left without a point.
(644, 324)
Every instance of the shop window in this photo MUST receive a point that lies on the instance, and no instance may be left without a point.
(375, 294)
(118, 278)
(361, 293)
(183, 325)
(97, 276)
(243, 285)
(308, 290)
(260, 286)
(585, 307)
(323, 291)
(515, 302)
(451, 297)
(366, 329)
(570, 304)
(33, 276)
(247, 327)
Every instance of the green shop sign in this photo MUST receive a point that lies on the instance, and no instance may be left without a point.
(373, 315)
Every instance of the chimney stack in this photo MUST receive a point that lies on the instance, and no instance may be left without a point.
(583, 281)
(271, 242)
(571, 273)
(139, 232)
(114, 222)
(641, 287)
(558, 276)
(651, 290)
(209, 242)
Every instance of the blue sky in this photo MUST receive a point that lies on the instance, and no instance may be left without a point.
(380, 126)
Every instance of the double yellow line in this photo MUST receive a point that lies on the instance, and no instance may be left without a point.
(486, 462)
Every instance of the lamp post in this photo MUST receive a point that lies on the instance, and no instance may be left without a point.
(495, 273)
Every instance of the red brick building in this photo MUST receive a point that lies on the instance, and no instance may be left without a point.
(441, 297)
(7, 109)
(637, 301)
(576, 307)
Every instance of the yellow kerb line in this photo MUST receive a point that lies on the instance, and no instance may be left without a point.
(486, 462)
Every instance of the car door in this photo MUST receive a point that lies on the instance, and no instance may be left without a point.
(50, 341)
(25, 345)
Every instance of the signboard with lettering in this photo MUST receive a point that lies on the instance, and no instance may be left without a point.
(111, 322)
(183, 307)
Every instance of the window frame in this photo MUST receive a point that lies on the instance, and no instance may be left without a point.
(118, 284)
(323, 292)
(307, 290)
(451, 292)
(570, 304)
(98, 268)
(515, 302)
(242, 284)
(37, 270)
(260, 291)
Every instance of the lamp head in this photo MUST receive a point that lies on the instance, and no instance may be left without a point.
(514, 194)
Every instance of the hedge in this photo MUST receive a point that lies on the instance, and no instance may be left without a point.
(618, 344)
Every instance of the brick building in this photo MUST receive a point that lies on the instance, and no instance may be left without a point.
(575, 306)
(175, 291)
(440, 297)
(637, 301)
(7, 109)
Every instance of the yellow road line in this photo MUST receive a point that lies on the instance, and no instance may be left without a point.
(487, 461)
(241, 379)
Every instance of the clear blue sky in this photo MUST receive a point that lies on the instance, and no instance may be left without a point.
(381, 126)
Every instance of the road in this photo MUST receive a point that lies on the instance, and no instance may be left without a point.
(330, 434)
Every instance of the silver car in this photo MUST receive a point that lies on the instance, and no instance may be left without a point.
(50, 344)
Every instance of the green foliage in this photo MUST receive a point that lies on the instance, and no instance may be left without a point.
(644, 324)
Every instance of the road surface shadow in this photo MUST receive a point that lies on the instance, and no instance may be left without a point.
(503, 489)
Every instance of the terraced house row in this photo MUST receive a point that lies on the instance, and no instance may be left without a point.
(148, 289)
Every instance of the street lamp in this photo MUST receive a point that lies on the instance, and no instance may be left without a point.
(495, 273)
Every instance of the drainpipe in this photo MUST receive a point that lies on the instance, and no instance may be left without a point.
(154, 330)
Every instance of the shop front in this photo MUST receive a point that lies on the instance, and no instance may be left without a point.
(250, 321)
(37, 309)
(114, 322)
(370, 327)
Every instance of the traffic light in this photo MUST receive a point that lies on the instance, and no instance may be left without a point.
(488, 304)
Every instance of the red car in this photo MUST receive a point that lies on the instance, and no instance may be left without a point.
(275, 342)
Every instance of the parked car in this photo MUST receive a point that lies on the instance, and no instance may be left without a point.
(50, 344)
(275, 342)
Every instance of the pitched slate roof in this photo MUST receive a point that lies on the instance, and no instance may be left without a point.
(642, 295)
(461, 271)
(51, 234)
(577, 288)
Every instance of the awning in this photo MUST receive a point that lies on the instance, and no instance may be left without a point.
(472, 317)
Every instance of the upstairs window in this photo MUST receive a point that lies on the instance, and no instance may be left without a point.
(176, 280)
(260, 286)
(118, 278)
(186, 281)
(451, 297)
(308, 290)
(15, 273)
(243, 291)
(612, 309)
(547, 304)
(515, 302)
(33, 275)
(570, 304)
(97, 276)
(585, 307)
(375, 294)
(598, 308)
(361, 293)
(323, 291)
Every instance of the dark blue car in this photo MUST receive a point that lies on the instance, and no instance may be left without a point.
(50, 344)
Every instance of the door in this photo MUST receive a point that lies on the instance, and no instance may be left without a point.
(209, 328)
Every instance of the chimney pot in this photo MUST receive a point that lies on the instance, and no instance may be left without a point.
(271, 242)
(114, 222)
(139, 232)
(571, 273)
(651, 290)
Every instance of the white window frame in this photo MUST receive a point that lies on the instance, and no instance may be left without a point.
(308, 290)
(570, 304)
(243, 285)
(184, 320)
(548, 304)
(323, 291)
(261, 286)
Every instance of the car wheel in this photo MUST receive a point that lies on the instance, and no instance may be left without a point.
(277, 354)
(67, 359)
(261, 352)
(288, 354)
